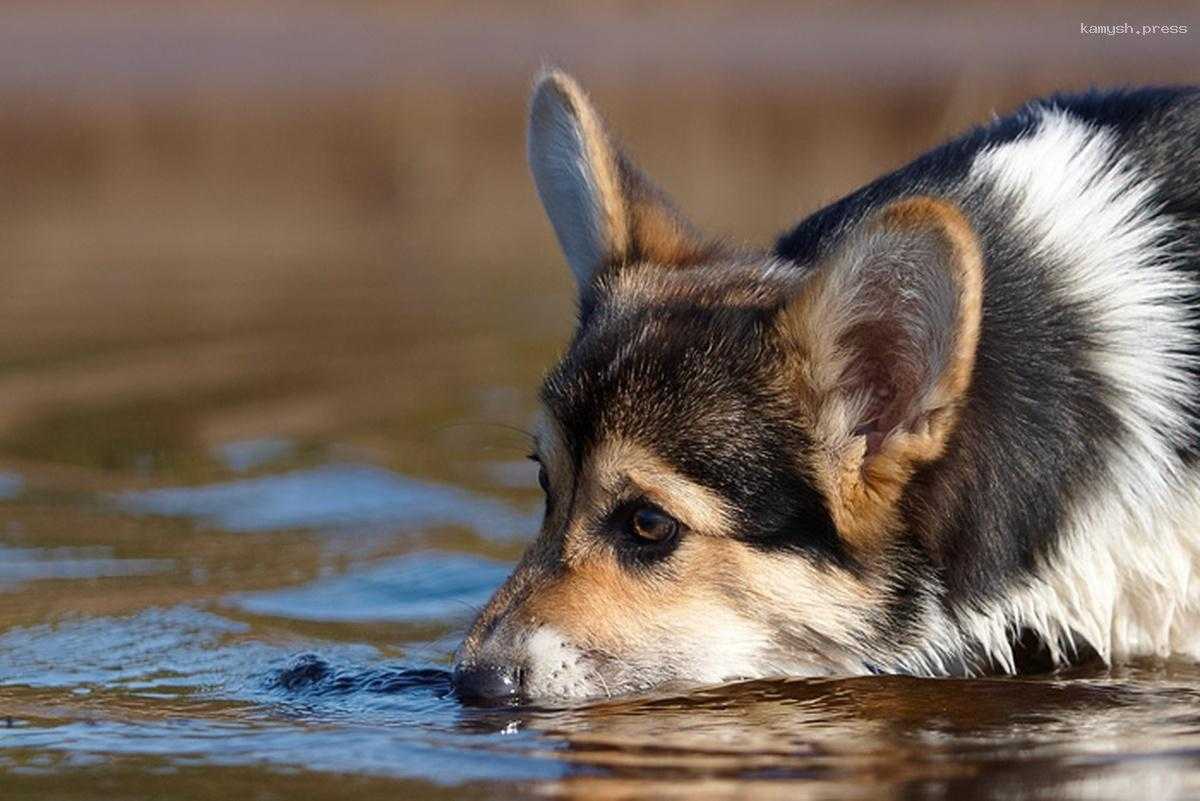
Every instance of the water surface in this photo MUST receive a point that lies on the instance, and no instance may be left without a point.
(287, 629)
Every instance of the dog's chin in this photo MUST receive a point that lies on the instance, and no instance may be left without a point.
(554, 691)
(560, 673)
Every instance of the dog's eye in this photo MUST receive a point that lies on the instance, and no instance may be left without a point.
(543, 476)
(652, 524)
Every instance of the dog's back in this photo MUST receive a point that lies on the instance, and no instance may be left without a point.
(1078, 452)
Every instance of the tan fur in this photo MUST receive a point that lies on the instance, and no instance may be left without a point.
(798, 590)
(588, 607)
(601, 604)
(661, 235)
(863, 490)
(722, 285)
(967, 262)
(605, 608)
(619, 464)
(721, 583)
(550, 443)
(598, 604)
(601, 159)
(626, 216)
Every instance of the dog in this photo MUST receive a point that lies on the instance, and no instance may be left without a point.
(948, 420)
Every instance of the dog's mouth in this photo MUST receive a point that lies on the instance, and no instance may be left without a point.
(550, 669)
(545, 665)
(583, 676)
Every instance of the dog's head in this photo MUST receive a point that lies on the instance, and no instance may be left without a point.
(726, 445)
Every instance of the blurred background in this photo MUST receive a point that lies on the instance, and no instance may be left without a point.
(313, 220)
(276, 294)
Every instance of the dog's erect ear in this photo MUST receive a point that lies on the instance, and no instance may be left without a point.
(882, 338)
(604, 211)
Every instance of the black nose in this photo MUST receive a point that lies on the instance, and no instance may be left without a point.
(483, 682)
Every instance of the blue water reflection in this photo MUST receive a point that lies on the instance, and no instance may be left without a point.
(425, 586)
(331, 497)
(20, 565)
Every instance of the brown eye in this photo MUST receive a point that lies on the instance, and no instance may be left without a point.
(543, 477)
(653, 525)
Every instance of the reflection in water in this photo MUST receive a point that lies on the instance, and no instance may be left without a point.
(180, 681)
(136, 644)
(254, 453)
(875, 736)
(422, 586)
(309, 674)
(10, 485)
(335, 496)
(31, 564)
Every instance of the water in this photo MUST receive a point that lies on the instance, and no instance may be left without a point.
(185, 692)
(285, 628)
(266, 351)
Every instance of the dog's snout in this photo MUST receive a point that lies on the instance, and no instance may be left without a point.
(487, 682)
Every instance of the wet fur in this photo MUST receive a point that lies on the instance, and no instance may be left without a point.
(952, 414)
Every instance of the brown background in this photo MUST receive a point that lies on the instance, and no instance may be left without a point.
(313, 219)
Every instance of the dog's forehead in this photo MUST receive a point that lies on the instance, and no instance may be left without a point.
(696, 384)
(701, 387)
(655, 370)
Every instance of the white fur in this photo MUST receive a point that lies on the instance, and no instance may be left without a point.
(555, 668)
(1124, 576)
(712, 643)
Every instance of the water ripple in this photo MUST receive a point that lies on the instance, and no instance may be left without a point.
(423, 586)
(330, 497)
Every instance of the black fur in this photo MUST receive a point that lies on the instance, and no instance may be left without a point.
(689, 360)
(694, 388)
(1031, 431)
(1037, 418)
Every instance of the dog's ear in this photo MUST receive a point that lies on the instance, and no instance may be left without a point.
(604, 210)
(881, 340)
